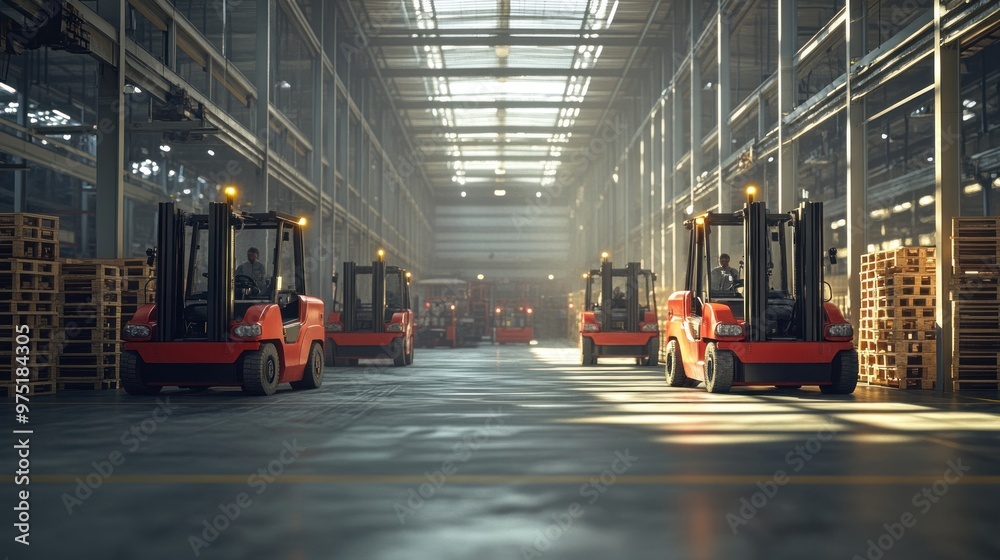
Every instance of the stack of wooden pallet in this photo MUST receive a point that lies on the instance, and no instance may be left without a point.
(975, 296)
(138, 286)
(896, 342)
(91, 324)
(29, 272)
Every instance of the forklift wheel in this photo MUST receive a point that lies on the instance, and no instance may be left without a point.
(719, 369)
(653, 356)
(675, 366)
(131, 375)
(398, 350)
(588, 358)
(408, 358)
(845, 374)
(312, 377)
(261, 371)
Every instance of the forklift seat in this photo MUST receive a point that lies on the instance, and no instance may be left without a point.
(289, 305)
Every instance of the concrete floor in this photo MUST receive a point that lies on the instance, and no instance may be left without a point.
(513, 452)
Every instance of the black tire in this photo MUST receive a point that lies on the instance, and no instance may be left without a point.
(674, 366)
(261, 371)
(398, 352)
(653, 355)
(312, 377)
(720, 367)
(131, 375)
(588, 358)
(331, 353)
(845, 374)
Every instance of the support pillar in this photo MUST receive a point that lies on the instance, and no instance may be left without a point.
(787, 31)
(947, 175)
(857, 165)
(110, 146)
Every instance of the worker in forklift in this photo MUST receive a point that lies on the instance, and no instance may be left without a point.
(724, 277)
(618, 298)
(254, 269)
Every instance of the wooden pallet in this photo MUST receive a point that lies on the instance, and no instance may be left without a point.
(90, 313)
(91, 268)
(96, 385)
(903, 371)
(904, 383)
(37, 388)
(29, 233)
(905, 359)
(31, 319)
(976, 385)
(971, 316)
(976, 287)
(22, 296)
(91, 334)
(90, 285)
(29, 249)
(29, 307)
(26, 219)
(87, 373)
(36, 372)
(905, 347)
(97, 359)
(9, 333)
(111, 297)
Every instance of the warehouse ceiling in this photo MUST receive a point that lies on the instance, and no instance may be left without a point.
(500, 93)
(503, 98)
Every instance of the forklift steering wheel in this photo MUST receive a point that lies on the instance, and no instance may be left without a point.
(247, 283)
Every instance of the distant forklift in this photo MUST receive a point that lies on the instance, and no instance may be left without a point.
(619, 317)
(439, 324)
(514, 322)
(375, 319)
(772, 328)
(213, 326)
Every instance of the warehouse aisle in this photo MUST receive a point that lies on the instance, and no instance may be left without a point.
(514, 452)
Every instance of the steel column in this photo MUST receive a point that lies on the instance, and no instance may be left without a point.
(787, 42)
(857, 164)
(111, 142)
(948, 174)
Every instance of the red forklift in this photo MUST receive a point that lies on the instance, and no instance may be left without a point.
(216, 324)
(619, 317)
(439, 324)
(514, 322)
(375, 320)
(773, 327)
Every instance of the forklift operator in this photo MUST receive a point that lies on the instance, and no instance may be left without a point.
(254, 268)
(618, 298)
(724, 277)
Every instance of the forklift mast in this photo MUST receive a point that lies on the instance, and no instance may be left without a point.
(221, 248)
(607, 280)
(349, 290)
(632, 274)
(808, 222)
(756, 239)
(169, 270)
